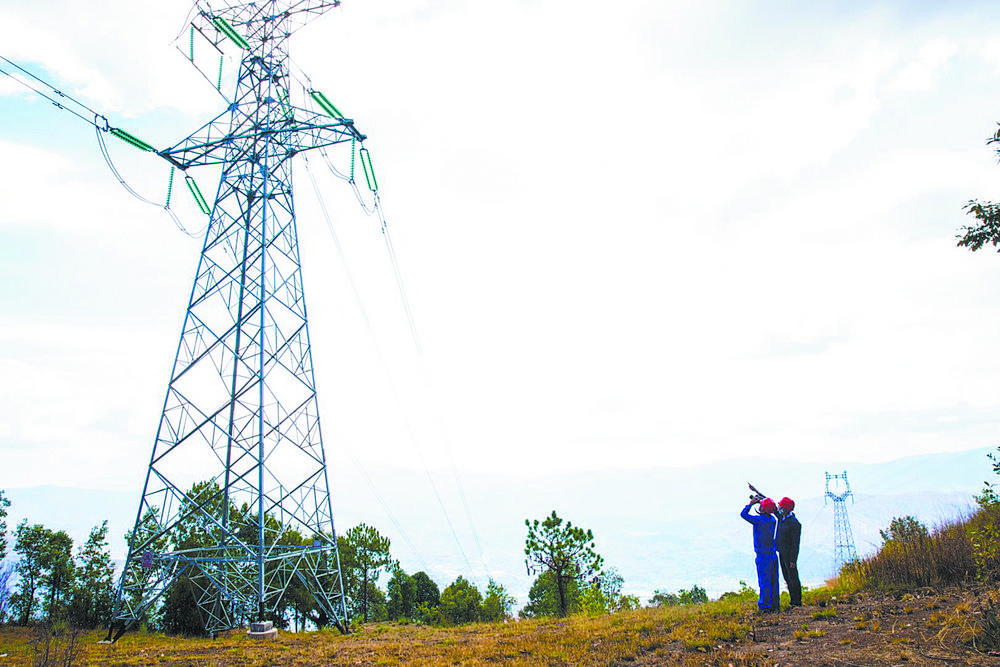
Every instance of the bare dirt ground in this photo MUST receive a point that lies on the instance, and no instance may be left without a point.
(917, 628)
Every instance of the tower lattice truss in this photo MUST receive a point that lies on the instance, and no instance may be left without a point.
(237, 499)
(843, 539)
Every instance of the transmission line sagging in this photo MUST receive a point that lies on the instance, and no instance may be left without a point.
(390, 383)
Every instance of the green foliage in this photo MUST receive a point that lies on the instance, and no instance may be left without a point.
(4, 504)
(989, 496)
(694, 595)
(604, 595)
(744, 594)
(377, 602)
(146, 536)
(461, 602)
(93, 591)
(204, 507)
(563, 549)
(987, 229)
(28, 544)
(298, 600)
(364, 556)
(181, 615)
(983, 530)
(905, 530)
(664, 599)
(543, 597)
(402, 590)
(951, 554)
(45, 572)
(497, 603)
(58, 574)
(943, 558)
(427, 591)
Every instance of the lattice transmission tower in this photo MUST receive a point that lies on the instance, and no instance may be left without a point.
(843, 539)
(237, 500)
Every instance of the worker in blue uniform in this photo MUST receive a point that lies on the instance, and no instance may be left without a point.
(764, 528)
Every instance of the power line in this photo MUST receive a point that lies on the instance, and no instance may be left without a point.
(101, 125)
(67, 101)
(376, 207)
(392, 388)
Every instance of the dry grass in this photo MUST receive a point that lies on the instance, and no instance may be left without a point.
(961, 551)
(670, 633)
(851, 627)
(849, 621)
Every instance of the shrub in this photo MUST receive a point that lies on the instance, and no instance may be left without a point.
(746, 593)
(984, 534)
(912, 559)
(904, 529)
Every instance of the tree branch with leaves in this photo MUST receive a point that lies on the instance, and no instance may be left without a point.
(565, 550)
(987, 231)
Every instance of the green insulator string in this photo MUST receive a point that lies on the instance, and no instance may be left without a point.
(170, 187)
(196, 193)
(191, 45)
(326, 105)
(366, 164)
(353, 142)
(218, 84)
(131, 139)
(230, 32)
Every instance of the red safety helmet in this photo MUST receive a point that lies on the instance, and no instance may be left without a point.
(786, 504)
(767, 506)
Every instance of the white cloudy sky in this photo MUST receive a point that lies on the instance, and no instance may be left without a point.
(631, 234)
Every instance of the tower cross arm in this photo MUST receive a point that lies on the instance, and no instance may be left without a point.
(249, 19)
(300, 130)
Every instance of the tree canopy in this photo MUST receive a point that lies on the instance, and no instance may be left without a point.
(461, 602)
(364, 555)
(543, 597)
(905, 530)
(402, 590)
(565, 550)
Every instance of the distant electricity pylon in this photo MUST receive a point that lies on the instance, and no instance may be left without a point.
(843, 540)
(241, 412)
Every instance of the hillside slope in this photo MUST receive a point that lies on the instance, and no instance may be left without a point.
(662, 529)
(922, 628)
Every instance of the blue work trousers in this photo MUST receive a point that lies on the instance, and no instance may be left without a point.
(767, 581)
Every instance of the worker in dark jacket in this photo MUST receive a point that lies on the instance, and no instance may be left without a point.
(789, 534)
(764, 526)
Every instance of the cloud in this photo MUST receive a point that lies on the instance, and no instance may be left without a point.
(734, 226)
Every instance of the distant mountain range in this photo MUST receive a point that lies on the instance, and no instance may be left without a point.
(665, 528)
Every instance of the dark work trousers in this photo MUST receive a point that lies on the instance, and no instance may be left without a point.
(767, 581)
(788, 537)
(790, 573)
